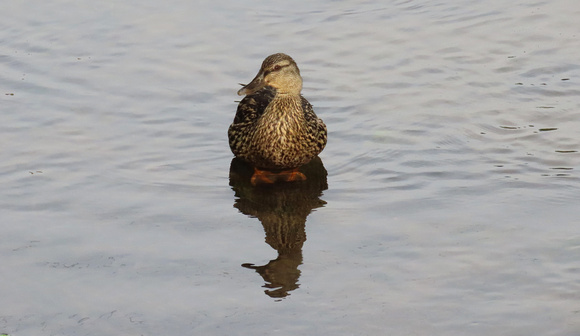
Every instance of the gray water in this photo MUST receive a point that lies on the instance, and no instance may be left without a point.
(446, 201)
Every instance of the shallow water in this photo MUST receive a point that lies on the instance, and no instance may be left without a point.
(446, 201)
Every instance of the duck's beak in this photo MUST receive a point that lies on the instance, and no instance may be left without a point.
(256, 84)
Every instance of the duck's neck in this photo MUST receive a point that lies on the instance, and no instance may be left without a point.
(286, 105)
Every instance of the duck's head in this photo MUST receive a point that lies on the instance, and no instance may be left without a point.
(278, 71)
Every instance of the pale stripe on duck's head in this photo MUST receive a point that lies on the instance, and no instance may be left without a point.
(278, 71)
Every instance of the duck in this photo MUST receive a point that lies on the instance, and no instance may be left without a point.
(275, 128)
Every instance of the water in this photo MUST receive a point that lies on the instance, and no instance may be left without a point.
(444, 203)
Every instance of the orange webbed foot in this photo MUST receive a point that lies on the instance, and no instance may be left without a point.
(268, 177)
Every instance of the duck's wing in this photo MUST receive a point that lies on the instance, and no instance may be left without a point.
(254, 105)
(318, 132)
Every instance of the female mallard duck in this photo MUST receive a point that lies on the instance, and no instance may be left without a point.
(275, 128)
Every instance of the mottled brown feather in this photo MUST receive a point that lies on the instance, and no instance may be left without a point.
(306, 138)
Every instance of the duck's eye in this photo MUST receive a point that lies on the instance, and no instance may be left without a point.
(276, 67)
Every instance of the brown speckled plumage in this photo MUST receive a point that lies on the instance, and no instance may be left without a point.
(275, 127)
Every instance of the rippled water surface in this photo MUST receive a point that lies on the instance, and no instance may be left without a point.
(446, 201)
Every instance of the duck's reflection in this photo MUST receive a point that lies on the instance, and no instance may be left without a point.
(282, 208)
